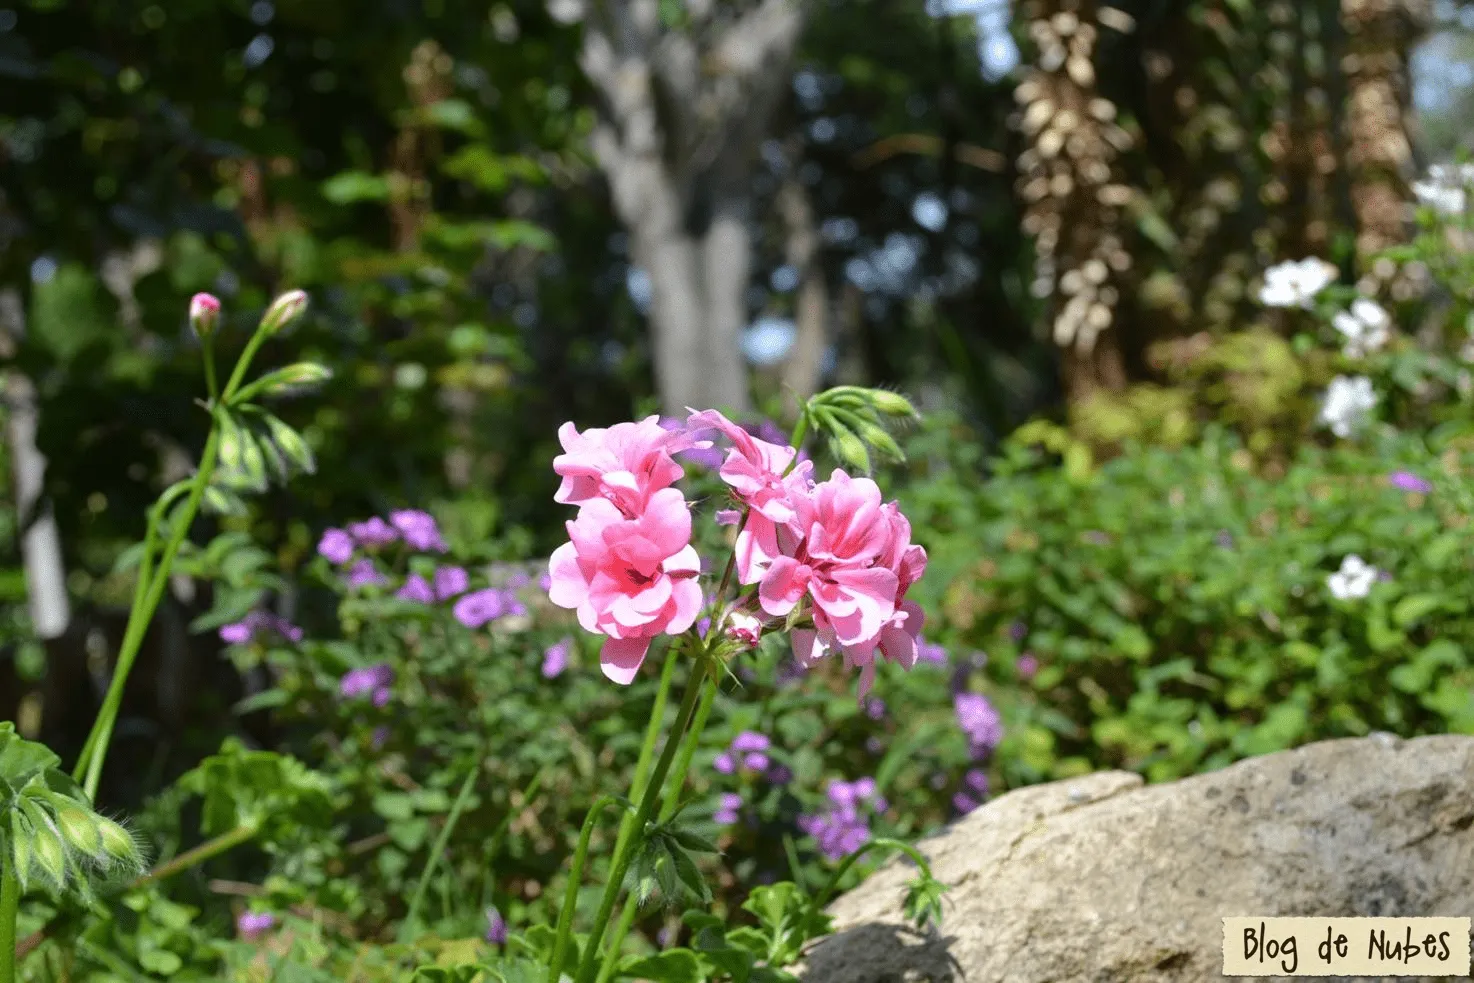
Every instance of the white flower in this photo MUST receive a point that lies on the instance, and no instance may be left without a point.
(1348, 401)
(1354, 580)
(1443, 190)
(1365, 327)
(1295, 284)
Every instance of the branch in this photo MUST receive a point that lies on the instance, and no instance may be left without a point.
(929, 146)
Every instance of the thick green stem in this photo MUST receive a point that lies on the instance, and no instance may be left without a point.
(9, 908)
(410, 919)
(822, 898)
(570, 896)
(622, 859)
(207, 344)
(139, 619)
(668, 808)
(652, 736)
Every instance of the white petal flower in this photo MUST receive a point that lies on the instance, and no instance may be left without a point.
(1296, 283)
(1348, 401)
(1443, 190)
(1365, 327)
(1354, 580)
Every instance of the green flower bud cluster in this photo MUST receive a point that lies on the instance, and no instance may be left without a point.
(853, 419)
(49, 833)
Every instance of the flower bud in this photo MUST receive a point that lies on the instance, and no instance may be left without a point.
(849, 448)
(50, 853)
(876, 438)
(204, 314)
(118, 844)
(79, 830)
(295, 378)
(283, 311)
(892, 404)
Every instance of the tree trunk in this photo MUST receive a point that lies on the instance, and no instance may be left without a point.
(682, 114)
(803, 371)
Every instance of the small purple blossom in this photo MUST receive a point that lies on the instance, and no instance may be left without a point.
(365, 574)
(368, 681)
(419, 529)
(1410, 482)
(555, 658)
(875, 708)
(703, 626)
(1028, 665)
(259, 623)
(545, 581)
(779, 774)
(373, 532)
(417, 590)
(755, 761)
(252, 924)
(1017, 631)
(844, 828)
(379, 738)
(874, 745)
(979, 721)
(725, 764)
(931, 652)
(335, 546)
(963, 803)
(496, 927)
(977, 781)
(751, 740)
(727, 807)
(479, 607)
(451, 582)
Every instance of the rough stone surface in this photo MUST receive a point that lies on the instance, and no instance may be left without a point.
(1103, 878)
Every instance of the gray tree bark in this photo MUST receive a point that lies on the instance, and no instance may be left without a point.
(804, 368)
(46, 581)
(683, 111)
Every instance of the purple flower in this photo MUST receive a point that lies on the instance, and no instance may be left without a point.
(931, 652)
(252, 925)
(419, 530)
(450, 582)
(555, 659)
(666, 937)
(479, 607)
(874, 745)
(417, 590)
(779, 774)
(336, 546)
(963, 803)
(875, 708)
(976, 780)
(1409, 482)
(365, 574)
(374, 532)
(755, 761)
(703, 626)
(724, 763)
(370, 680)
(1224, 539)
(496, 927)
(979, 721)
(545, 581)
(258, 623)
(1028, 665)
(1017, 631)
(727, 807)
(751, 740)
(379, 737)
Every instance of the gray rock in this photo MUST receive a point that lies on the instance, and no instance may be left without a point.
(1103, 878)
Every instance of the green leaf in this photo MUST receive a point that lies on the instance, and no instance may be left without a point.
(671, 966)
(354, 186)
(1414, 608)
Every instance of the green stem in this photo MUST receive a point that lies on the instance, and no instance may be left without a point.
(667, 809)
(652, 735)
(440, 843)
(822, 898)
(570, 895)
(207, 344)
(623, 858)
(139, 619)
(198, 855)
(9, 908)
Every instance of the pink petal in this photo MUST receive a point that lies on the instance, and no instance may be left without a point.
(620, 658)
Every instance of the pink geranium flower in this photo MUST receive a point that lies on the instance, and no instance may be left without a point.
(625, 463)
(629, 577)
(755, 468)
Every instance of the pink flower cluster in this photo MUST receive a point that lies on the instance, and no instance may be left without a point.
(835, 543)
(629, 570)
(631, 574)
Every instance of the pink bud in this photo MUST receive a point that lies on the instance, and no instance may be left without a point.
(204, 312)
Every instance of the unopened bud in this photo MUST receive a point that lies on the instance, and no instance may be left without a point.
(283, 311)
(291, 444)
(849, 448)
(79, 830)
(119, 844)
(50, 853)
(876, 438)
(892, 404)
(744, 628)
(204, 314)
(295, 378)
